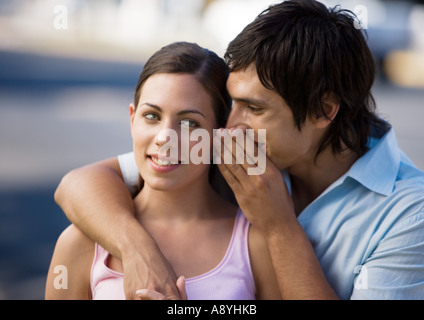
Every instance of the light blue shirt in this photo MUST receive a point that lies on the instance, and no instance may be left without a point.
(369, 225)
(367, 228)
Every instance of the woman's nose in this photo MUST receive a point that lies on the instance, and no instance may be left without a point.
(166, 135)
(167, 138)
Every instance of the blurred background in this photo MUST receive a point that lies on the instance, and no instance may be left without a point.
(67, 73)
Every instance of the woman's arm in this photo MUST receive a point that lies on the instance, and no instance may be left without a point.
(96, 199)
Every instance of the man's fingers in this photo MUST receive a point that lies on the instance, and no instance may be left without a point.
(146, 294)
(230, 178)
(233, 148)
(256, 147)
(247, 150)
(181, 287)
(244, 144)
(156, 274)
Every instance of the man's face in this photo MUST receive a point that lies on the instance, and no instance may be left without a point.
(256, 107)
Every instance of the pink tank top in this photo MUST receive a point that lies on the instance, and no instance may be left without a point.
(231, 279)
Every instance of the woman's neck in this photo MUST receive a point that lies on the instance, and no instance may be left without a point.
(196, 201)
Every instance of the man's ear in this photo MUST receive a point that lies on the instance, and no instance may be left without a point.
(330, 108)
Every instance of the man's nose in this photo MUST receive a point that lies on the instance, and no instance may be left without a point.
(237, 119)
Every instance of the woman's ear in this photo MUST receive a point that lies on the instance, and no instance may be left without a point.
(330, 108)
(132, 113)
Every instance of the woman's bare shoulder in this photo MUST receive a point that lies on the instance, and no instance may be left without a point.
(69, 273)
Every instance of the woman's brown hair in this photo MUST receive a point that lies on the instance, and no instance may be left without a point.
(189, 58)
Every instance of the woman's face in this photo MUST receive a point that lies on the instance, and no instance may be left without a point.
(176, 103)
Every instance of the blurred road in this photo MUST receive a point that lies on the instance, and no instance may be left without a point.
(404, 109)
(72, 112)
(49, 125)
(55, 115)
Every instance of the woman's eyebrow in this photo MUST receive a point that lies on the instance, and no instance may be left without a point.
(182, 112)
(190, 111)
(151, 105)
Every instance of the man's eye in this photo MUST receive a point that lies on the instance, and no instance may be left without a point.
(189, 123)
(151, 116)
(253, 109)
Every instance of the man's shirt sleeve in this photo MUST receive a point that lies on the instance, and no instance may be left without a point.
(129, 171)
(395, 270)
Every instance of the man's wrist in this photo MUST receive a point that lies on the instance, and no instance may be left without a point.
(134, 240)
(296, 264)
(280, 226)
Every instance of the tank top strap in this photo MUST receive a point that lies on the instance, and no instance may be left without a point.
(241, 235)
(240, 247)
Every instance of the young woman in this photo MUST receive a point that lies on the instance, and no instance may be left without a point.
(205, 238)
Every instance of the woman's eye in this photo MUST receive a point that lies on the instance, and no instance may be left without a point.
(189, 123)
(151, 116)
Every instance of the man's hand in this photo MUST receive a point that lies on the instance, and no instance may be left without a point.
(266, 203)
(263, 198)
(151, 272)
(146, 294)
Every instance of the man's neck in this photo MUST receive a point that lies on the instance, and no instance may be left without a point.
(312, 177)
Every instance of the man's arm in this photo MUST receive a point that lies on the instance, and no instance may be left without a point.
(266, 203)
(96, 200)
(262, 267)
(298, 271)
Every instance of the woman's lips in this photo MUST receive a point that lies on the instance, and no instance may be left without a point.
(163, 165)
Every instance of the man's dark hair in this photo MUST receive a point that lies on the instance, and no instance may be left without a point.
(304, 51)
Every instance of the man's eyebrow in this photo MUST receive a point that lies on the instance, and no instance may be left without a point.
(182, 112)
(252, 101)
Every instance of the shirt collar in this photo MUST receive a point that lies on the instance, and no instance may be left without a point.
(378, 169)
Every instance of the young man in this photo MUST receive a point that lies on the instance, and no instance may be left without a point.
(347, 222)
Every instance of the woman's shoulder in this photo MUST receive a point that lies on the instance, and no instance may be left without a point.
(73, 240)
(70, 266)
